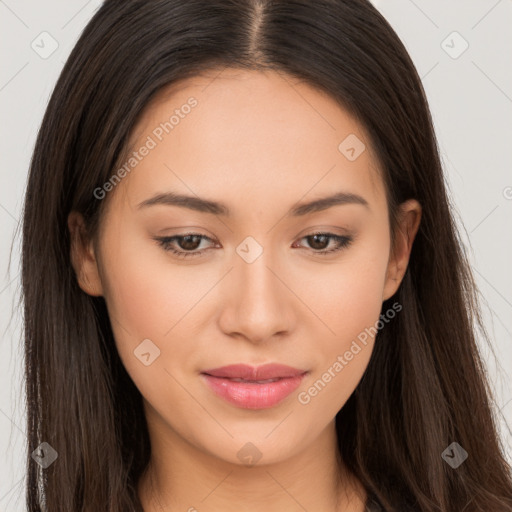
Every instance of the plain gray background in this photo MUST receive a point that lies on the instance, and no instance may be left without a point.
(462, 52)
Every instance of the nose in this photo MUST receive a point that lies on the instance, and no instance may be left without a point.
(258, 304)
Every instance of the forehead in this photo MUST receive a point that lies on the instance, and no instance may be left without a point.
(258, 135)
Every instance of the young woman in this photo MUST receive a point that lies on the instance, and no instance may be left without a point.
(243, 285)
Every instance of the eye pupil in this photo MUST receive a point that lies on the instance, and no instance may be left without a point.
(314, 245)
(184, 242)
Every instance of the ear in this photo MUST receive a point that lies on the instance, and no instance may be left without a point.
(409, 221)
(83, 257)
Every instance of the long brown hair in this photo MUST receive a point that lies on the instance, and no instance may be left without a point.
(425, 385)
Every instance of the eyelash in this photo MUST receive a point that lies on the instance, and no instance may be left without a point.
(165, 242)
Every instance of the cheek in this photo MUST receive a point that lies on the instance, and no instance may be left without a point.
(147, 292)
(150, 298)
(347, 296)
(349, 303)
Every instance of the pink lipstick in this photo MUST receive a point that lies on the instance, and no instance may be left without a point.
(252, 387)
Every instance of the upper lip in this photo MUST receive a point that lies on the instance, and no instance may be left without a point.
(246, 372)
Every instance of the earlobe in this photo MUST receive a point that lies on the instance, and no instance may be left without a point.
(83, 258)
(409, 222)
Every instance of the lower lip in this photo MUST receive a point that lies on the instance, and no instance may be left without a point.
(248, 395)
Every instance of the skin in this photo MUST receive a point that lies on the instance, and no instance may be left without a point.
(260, 142)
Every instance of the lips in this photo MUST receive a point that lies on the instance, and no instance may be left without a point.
(252, 387)
(255, 373)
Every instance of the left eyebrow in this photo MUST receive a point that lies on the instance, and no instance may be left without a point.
(324, 203)
(214, 207)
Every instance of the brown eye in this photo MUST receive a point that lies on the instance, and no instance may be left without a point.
(183, 246)
(189, 242)
(320, 241)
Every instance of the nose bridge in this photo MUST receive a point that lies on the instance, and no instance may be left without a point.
(259, 306)
(256, 280)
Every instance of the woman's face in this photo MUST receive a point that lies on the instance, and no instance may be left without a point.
(252, 286)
